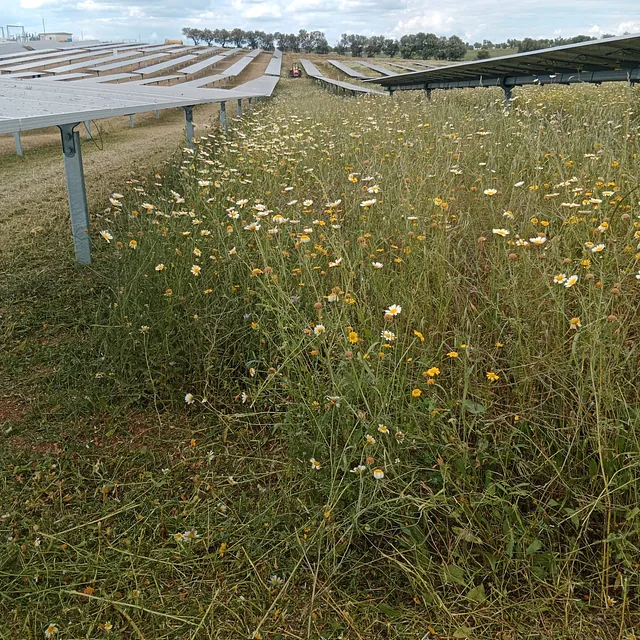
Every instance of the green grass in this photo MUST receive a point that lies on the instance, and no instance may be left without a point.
(143, 402)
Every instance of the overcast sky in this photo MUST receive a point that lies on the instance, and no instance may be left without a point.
(472, 20)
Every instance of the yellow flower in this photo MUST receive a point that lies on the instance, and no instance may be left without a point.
(434, 371)
(492, 377)
(416, 393)
(453, 354)
(353, 337)
(133, 244)
(575, 323)
(382, 428)
(378, 474)
(195, 269)
(315, 465)
(159, 267)
(418, 335)
(490, 192)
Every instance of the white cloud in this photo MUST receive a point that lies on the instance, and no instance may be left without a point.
(262, 10)
(434, 21)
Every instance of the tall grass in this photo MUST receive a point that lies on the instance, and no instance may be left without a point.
(469, 460)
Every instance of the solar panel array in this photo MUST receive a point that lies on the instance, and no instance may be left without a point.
(352, 73)
(377, 67)
(312, 71)
(604, 60)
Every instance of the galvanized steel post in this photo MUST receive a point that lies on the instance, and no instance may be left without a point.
(16, 137)
(76, 191)
(87, 126)
(188, 118)
(240, 108)
(223, 115)
(131, 121)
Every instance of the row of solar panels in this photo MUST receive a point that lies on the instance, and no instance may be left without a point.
(313, 72)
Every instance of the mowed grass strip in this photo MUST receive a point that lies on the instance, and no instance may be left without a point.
(361, 368)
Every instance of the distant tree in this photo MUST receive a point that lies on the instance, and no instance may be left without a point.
(483, 54)
(407, 46)
(374, 46)
(357, 43)
(265, 40)
(237, 36)
(319, 42)
(192, 34)
(340, 49)
(208, 36)
(223, 37)
(252, 39)
(390, 47)
(456, 48)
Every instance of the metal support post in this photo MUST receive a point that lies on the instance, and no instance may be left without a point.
(428, 93)
(131, 121)
(77, 192)
(158, 115)
(16, 137)
(223, 115)
(507, 95)
(87, 126)
(240, 108)
(249, 104)
(188, 118)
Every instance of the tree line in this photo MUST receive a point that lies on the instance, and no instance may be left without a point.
(303, 41)
(426, 46)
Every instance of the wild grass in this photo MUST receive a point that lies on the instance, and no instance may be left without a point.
(331, 376)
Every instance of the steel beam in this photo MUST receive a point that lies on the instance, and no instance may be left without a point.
(16, 137)
(188, 118)
(76, 191)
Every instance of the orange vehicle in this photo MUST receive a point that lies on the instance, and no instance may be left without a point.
(173, 42)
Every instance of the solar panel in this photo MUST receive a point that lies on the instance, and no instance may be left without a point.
(378, 68)
(208, 62)
(126, 63)
(168, 64)
(87, 63)
(350, 72)
(56, 61)
(156, 79)
(310, 69)
(112, 77)
(604, 60)
(275, 65)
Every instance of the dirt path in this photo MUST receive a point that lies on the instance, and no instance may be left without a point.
(32, 188)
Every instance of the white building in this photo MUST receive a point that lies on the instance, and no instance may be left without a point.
(60, 36)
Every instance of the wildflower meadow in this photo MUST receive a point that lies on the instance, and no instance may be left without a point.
(357, 368)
